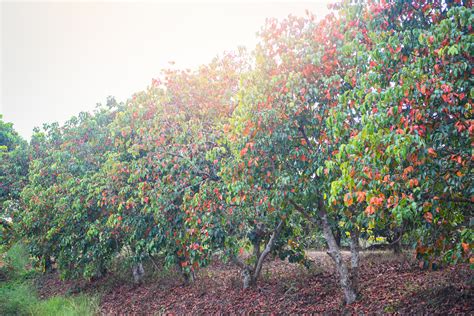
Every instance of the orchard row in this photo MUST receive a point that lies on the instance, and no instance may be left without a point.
(359, 124)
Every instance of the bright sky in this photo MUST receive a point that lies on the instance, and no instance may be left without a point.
(60, 58)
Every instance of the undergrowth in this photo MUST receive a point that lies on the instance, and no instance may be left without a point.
(18, 295)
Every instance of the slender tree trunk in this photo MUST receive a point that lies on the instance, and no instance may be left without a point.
(355, 248)
(337, 236)
(266, 251)
(48, 264)
(250, 274)
(138, 272)
(187, 277)
(396, 244)
(335, 253)
(246, 271)
(247, 278)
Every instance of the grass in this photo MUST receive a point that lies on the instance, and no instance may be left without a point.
(66, 306)
(19, 298)
(15, 298)
(16, 261)
(18, 295)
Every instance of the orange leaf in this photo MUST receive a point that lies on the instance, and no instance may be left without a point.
(423, 89)
(413, 182)
(465, 247)
(428, 217)
(432, 152)
(348, 199)
(360, 196)
(226, 128)
(370, 210)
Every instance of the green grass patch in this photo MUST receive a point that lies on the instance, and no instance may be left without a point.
(16, 261)
(16, 298)
(18, 295)
(20, 298)
(67, 306)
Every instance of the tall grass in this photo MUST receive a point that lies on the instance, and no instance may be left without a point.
(18, 295)
(21, 299)
(16, 298)
(17, 261)
(64, 306)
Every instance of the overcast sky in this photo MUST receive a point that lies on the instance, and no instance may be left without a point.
(60, 58)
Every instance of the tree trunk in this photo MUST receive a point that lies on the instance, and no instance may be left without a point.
(247, 278)
(48, 264)
(250, 274)
(187, 277)
(396, 244)
(337, 236)
(138, 272)
(335, 253)
(266, 251)
(355, 248)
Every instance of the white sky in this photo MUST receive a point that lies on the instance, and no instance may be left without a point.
(60, 58)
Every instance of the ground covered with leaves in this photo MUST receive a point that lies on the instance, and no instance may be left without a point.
(388, 284)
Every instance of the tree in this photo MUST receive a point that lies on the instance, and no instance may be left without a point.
(13, 177)
(166, 157)
(413, 148)
(64, 218)
(297, 82)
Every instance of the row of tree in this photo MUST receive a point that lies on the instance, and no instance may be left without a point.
(359, 123)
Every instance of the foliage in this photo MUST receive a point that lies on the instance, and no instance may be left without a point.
(14, 161)
(15, 298)
(19, 298)
(165, 160)
(14, 164)
(64, 192)
(413, 147)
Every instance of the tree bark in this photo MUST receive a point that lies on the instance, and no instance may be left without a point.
(396, 244)
(187, 277)
(266, 251)
(138, 272)
(250, 274)
(246, 271)
(335, 253)
(48, 264)
(337, 236)
(355, 248)
(247, 278)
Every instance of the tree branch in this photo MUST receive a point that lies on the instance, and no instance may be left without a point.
(300, 209)
(301, 128)
(266, 251)
(240, 263)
